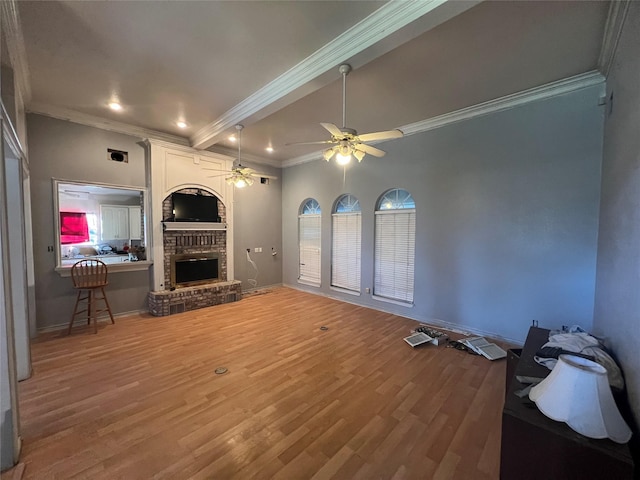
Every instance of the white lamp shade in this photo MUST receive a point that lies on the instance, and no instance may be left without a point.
(577, 392)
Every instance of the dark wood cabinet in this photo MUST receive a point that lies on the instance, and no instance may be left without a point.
(536, 447)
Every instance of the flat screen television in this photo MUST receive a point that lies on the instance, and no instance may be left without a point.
(194, 208)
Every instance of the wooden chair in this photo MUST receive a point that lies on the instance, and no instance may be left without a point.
(88, 276)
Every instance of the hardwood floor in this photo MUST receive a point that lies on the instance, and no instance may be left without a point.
(141, 399)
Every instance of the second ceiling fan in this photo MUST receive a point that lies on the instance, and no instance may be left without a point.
(346, 140)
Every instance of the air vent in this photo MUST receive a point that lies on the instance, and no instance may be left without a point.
(117, 155)
(176, 308)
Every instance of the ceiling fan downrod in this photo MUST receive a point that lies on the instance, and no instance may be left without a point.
(239, 128)
(344, 69)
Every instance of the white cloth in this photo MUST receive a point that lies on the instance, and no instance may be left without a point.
(582, 342)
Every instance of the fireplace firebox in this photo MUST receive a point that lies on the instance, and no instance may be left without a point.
(189, 269)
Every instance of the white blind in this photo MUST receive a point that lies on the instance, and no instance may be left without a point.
(394, 254)
(345, 253)
(309, 235)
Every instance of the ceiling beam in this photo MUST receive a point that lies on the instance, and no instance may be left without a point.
(359, 44)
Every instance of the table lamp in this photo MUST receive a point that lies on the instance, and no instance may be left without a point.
(577, 392)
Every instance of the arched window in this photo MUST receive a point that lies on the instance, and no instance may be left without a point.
(395, 233)
(309, 242)
(345, 252)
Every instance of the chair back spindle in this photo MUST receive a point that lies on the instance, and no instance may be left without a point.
(90, 275)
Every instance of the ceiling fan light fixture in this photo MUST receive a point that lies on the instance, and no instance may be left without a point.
(241, 177)
(343, 156)
(328, 153)
(342, 159)
(346, 141)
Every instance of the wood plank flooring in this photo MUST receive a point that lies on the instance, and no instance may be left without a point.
(140, 400)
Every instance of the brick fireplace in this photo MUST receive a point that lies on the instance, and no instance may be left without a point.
(194, 245)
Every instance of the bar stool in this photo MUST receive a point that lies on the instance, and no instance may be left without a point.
(88, 276)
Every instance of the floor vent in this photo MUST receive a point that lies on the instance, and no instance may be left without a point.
(176, 308)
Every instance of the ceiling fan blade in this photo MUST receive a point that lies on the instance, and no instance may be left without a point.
(264, 175)
(376, 152)
(216, 169)
(386, 135)
(332, 129)
(320, 142)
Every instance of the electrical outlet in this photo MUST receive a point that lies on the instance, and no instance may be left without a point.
(367, 290)
(257, 250)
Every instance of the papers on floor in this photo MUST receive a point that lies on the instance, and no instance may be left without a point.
(437, 337)
(425, 334)
(481, 346)
(418, 339)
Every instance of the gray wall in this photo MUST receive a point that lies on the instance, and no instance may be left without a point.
(65, 150)
(617, 304)
(258, 223)
(507, 216)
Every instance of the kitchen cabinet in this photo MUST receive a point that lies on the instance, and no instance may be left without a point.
(114, 221)
(135, 223)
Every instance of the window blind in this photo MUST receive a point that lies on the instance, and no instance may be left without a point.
(345, 253)
(394, 254)
(309, 237)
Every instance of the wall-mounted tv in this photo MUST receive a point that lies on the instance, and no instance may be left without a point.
(194, 208)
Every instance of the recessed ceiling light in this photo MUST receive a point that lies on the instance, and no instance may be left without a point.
(181, 124)
(269, 149)
(232, 138)
(115, 106)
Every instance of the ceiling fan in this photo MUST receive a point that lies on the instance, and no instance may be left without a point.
(240, 176)
(346, 140)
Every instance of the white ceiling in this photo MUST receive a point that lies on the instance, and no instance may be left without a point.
(273, 65)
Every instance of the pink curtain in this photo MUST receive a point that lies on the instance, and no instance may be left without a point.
(73, 228)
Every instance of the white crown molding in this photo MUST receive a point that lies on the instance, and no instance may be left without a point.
(612, 31)
(245, 156)
(15, 47)
(187, 149)
(102, 123)
(388, 19)
(507, 102)
(309, 157)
